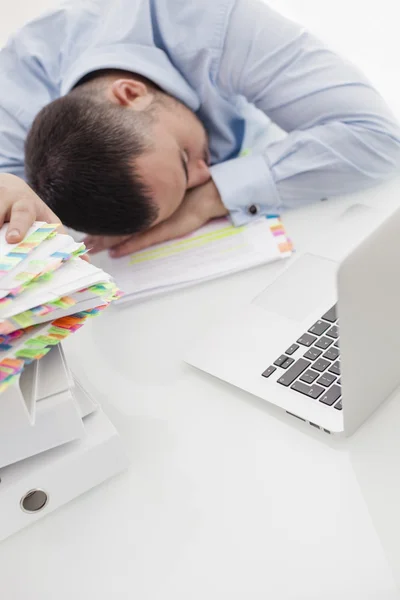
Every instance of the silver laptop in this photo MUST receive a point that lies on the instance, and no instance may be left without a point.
(322, 341)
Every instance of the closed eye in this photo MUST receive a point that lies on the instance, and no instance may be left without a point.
(184, 160)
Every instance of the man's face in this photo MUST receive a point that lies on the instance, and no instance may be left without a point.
(179, 159)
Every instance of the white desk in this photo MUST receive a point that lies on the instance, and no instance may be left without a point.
(225, 499)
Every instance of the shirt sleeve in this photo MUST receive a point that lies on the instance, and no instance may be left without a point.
(11, 145)
(341, 135)
(29, 79)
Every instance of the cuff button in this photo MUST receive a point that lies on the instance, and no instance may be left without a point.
(253, 209)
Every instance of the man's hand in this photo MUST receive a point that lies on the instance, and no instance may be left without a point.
(199, 206)
(21, 207)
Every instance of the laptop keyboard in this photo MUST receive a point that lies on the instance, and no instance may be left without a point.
(311, 366)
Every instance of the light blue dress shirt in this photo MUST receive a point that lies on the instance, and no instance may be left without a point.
(241, 67)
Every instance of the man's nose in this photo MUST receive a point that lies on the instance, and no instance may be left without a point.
(200, 174)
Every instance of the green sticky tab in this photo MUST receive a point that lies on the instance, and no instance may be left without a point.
(39, 235)
(37, 263)
(36, 343)
(245, 152)
(30, 353)
(45, 277)
(24, 319)
(101, 289)
(9, 261)
(57, 303)
(42, 341)
(24, 276)
(7, 370)
(79, 251)
(58, 331)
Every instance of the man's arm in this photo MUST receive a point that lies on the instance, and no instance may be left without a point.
(341, 135)
(30, 65)
(28, 80)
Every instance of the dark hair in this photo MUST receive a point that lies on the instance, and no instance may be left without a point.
(79, 157)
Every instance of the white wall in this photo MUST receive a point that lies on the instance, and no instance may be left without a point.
(366, 31)
(14, 13)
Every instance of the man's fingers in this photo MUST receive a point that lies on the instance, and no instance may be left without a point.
(130, 246)
(142, 241)
(21, 218)
(88, 241)
(92, 245)
(158, 234)
(96, 243)
(5, 202)
(4, 209)
(21, 207)
(175, 227)
(24, 212)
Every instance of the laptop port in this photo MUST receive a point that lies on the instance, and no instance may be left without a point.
(292, 415)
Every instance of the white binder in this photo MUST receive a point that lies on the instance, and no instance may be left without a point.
(55, 443)
(40, 411)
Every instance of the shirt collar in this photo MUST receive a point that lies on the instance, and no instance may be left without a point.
(148, 61)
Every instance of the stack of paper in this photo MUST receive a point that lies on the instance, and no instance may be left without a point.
(46, 292)
(215, 250)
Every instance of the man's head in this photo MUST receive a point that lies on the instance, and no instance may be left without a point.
(116, 155)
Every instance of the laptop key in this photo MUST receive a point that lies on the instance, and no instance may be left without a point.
(300, 387)
(315, 391)
(312, 391)
(293, 372)
(306, 339)
(287, 363)
(319, 328)
(332, 353)
(331, 395)
(279, 361)
(321, 365)
(312, 353)
(269, 371)
(326, 379)
(292, 349)
(336, 344)
(309, 376)
(339, 406)
(324, 343)
(335, 368)
(331, 315)
(333, 332)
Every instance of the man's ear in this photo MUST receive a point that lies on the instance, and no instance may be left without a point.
(131, 93)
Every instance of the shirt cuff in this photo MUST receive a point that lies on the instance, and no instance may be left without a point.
(246, 188)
